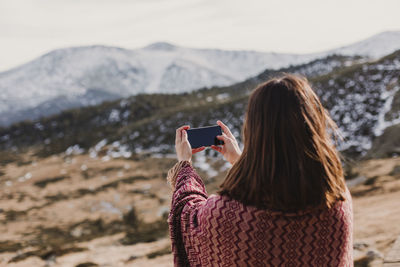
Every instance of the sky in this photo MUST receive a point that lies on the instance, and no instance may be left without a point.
(30, 28)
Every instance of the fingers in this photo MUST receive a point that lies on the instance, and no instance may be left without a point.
(225, 128)
(178, 135)
(184, 136)
(224, 138)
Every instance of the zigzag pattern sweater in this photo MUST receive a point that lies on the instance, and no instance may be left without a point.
(218, 231)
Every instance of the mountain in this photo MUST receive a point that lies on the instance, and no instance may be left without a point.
(69, 73)
(362, 97)
(62, 78)
(376, 46)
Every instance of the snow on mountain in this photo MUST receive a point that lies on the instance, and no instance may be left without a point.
(160, 67)
(363, 99)
(376, 46)
(70, 73)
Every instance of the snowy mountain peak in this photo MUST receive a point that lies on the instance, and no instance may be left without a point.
(376, 46)
(161, 46)
(79, 49)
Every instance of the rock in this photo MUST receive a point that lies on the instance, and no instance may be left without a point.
(360, 245)
(366, 256)
(374, 254)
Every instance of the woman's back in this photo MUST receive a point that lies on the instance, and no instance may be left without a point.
(234, 234)
(220, 231)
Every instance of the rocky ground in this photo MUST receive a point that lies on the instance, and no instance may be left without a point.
(376, 198)
(77, 210)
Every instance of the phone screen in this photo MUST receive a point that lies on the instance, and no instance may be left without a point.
(204, 136)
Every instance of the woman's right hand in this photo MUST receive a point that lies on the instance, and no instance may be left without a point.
(230, 149)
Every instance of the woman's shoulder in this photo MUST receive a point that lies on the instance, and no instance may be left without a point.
(223, 203)
(219, 204)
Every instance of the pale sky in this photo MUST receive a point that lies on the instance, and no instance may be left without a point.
(30, 28)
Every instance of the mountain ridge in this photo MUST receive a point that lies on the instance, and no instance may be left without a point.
(158, 67)
(363, 98)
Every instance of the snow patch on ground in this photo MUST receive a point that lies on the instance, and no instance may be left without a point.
(74, 150)
(382, 124)
(200, 161)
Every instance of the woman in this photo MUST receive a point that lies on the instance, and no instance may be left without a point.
(284, 202)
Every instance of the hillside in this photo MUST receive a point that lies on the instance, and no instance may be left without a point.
(84, 76)
(76, 210)
(362, 97)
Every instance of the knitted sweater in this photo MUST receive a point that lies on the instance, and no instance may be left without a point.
(219, 231)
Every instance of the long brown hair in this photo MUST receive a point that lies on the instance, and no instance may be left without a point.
(289, 161)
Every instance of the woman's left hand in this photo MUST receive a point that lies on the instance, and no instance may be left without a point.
(182, 146)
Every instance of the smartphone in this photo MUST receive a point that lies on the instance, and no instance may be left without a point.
(204, 136)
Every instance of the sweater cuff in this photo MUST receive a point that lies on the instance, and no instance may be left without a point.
(174, 171)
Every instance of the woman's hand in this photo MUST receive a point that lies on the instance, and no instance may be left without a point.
(182, 146)
(230, 150)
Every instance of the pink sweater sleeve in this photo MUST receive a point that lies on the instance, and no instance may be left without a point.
(188, 197)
